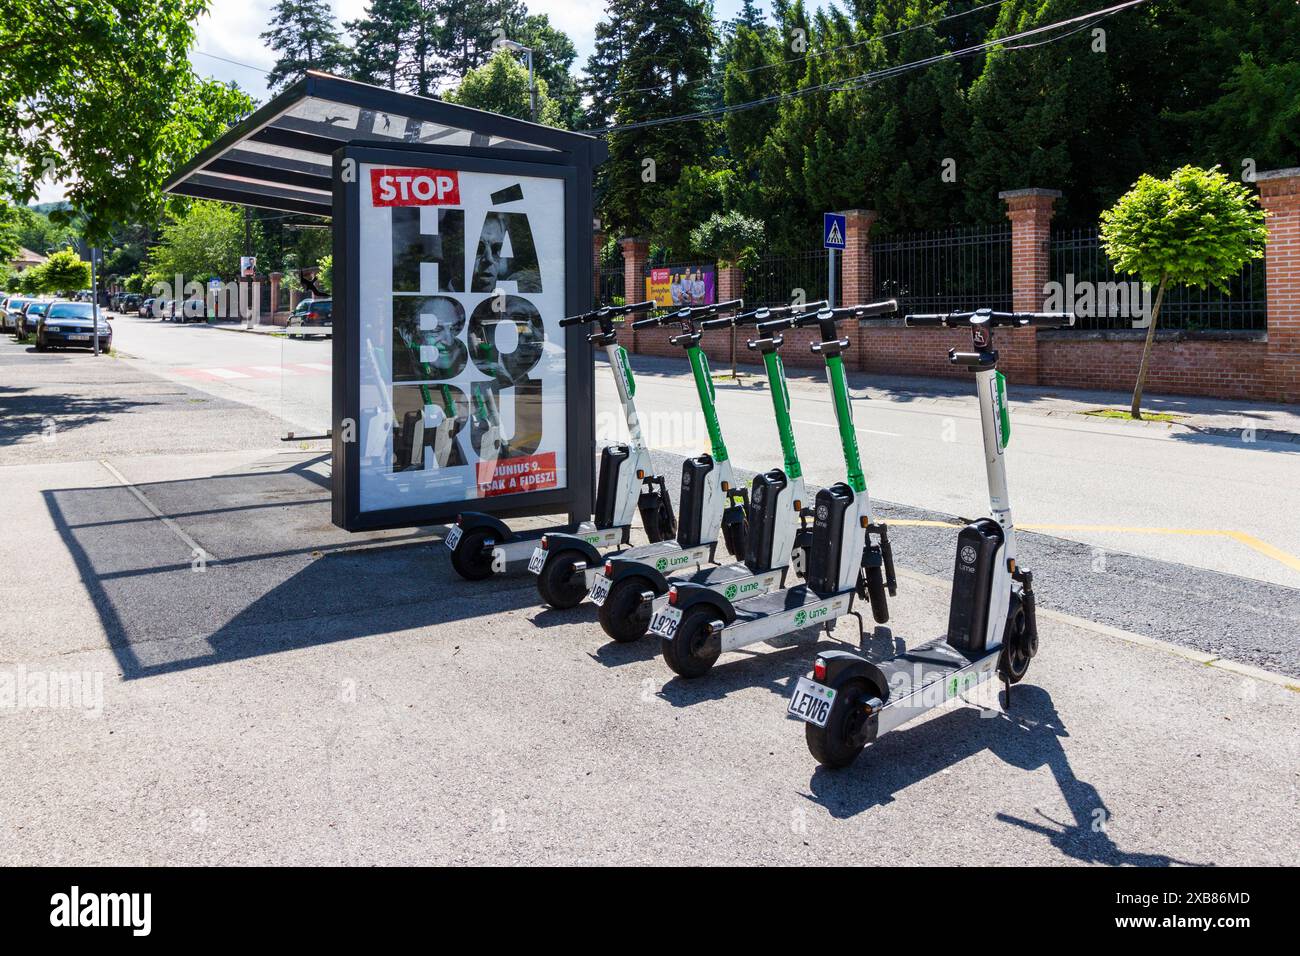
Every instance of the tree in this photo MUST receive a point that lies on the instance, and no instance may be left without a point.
(668, 53)
(63, 272)
(733, 239)
(379, 37)
(100, 94)
(206, 239)
(304, 38)
(325, 275)
(501, 85)
(9, 244)
(553, 56)
(1197, 228)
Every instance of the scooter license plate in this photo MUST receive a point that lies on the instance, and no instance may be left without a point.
(811, 702)
(665, 622)
(453, 537)
(600, 590)
(537, 561)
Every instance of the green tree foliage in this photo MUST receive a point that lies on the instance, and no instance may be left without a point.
(205, 240)
(303, 35)
(9, 244)
(733, 239)
(501, 85)
(667, 55)
(100, 94)
(1197, 227)
(61, 274)
(553, 56)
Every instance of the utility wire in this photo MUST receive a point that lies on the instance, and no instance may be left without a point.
(868, 79)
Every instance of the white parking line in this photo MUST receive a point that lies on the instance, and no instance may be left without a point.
(225, 373)
(318, 366)
(867, 431)
(274, 369)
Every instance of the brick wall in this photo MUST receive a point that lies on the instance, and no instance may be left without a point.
(1279, 194)
(1225, 365)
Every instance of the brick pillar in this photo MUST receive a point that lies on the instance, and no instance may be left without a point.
(636, 253)
(597, 242)
(857, 280)
(1030, 212)
(731, 285)
(294, 298)
(275, 295)
(1279, 194)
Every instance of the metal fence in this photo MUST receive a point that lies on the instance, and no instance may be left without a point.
(610, 291)
(1103, 299)
(779, 280)
(946, 269)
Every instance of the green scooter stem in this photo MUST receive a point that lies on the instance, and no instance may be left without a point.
(704, 387)
(844, 416)
(781, 405)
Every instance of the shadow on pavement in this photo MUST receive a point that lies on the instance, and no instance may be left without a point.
(1026, 738)
(166, 608)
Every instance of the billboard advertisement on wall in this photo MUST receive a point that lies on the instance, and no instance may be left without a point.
(462, 370)
(682, 286)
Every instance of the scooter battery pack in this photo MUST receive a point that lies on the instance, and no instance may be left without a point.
(612, 460)
(764, 494)
(972, 582)
(694, 473)
(829, 511)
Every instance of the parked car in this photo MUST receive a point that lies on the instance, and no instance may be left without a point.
(312, 316)
(162, 309)
(72, 324)
(12, 310)
(30, 316)
(192, 310)
(146, 307)
(130, 303)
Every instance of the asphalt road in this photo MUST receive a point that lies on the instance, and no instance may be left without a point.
(302, 695)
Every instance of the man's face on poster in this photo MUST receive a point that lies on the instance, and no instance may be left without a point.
(488, 262)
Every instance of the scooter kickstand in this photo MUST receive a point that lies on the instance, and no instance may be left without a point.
(862, 632)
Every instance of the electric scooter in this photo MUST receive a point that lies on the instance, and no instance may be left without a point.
(568, 567)
(850, 701)
(698, 624)
(481, 544)
(776, 515)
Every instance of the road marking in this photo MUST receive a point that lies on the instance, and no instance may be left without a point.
(1249, 540)
(196, 550)
(861, 431)
(224, 373)
(318, 366)
(275, 369)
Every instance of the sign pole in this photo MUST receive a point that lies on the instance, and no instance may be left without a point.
(94, 297)
(830, 277)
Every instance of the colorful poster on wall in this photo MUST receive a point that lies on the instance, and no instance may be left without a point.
(462, 378)
(682, 286)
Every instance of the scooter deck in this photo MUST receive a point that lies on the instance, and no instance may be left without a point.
(736, 581)
(780, 612)
(667, 556)
(927, 676)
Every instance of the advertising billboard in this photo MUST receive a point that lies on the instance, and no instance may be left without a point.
(462, 372)
(682, 286)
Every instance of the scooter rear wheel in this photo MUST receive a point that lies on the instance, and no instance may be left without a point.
(624, 616)
(692, 651)
(556, 582)
(468, 558)
(836, 745)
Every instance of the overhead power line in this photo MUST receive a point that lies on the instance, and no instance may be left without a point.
(868, 79)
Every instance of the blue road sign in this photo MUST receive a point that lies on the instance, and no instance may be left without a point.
(832, 230)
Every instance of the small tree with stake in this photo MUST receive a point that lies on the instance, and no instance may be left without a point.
(1196, 228)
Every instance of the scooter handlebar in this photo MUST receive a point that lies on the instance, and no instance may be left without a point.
(690, 312)
(866, 311)
(606, 313)
(1055, 320)
(761, 315)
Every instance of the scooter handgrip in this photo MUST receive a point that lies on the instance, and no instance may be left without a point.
(716, 323)
(646, 306)
(883, 307)
(643, 323)
(576, 319)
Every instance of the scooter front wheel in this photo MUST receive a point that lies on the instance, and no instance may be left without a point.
(468, 558)
(624, 616)
(1016, 652)
(838, 743)
(559, 585)
(692, 650)
(877, 596)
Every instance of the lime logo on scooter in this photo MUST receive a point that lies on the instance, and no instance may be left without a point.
(731, 592)
(626, 369)
(1003, 417)
(661, 564)
(967, 554)
(800, 618)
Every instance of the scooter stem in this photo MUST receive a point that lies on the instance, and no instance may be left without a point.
(704, 387)
(781, 406)
(844, 418)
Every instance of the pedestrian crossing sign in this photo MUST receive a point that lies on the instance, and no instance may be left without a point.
(833, 231)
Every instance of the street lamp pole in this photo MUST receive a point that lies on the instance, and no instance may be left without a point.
(94, 297)
(532, 85)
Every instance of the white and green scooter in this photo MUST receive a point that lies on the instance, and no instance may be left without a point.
(638, 590)
(843, 563)
(568, 566)
(850, 701)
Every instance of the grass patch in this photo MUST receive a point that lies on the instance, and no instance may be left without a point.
(1123, 414)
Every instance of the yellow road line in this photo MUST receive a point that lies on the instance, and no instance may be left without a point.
(1249, 540)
